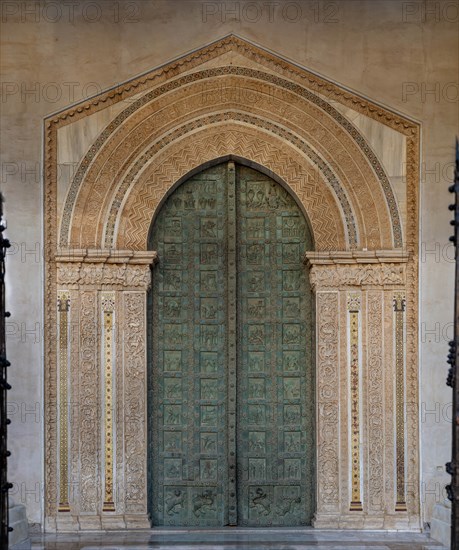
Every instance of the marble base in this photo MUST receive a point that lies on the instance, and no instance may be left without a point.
(235, 538)
(388, 522)
(440, 524)
(67, 523)
(19, 537)
(137, 521)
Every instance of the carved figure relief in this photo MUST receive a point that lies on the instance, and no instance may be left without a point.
(260, 502)
(174, 501)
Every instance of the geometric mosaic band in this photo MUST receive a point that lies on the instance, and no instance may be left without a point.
(108, 312)
(63, 307)
(399, 308)
(353, 306)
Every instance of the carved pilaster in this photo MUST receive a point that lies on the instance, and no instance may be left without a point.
(356, 426)
(399, 313)
(375, 402)
(63, 307)
(328, 425)
(106, 455)
(89, 406)
(108, 364)
(135, 402)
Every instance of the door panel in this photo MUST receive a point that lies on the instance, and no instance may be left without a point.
(274, 377)
(231, 432)
(188, 444)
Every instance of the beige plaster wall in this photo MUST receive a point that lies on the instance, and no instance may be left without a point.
(398, 53)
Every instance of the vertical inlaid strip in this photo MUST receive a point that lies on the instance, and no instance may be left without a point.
(108, 354)
(354, 309)
(232, 337)
(399, 309)
(63, 307)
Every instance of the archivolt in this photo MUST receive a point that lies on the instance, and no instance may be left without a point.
(281, 111)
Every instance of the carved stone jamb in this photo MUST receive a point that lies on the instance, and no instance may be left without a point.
(328, 426)
(334, 276)
(108, 453)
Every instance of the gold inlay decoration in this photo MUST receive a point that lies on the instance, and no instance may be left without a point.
(353, 304)
(63, 307)
(108, 310)
(399, 308)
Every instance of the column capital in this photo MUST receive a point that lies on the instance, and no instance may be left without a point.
(105, 269)
(369, 269)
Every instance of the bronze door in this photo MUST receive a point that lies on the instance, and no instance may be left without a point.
(231, 388)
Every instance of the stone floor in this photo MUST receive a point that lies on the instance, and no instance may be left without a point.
(237, 539)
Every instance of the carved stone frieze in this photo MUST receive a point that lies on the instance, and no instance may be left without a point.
(339, 270)
(105, 271)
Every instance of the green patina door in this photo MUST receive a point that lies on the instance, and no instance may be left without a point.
(231, 382)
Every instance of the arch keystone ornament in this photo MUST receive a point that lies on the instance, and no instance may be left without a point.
(265, 113)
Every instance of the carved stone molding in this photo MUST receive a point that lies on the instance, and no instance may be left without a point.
(108, 270)
(283, 133)
(334, 270)
(210, 143)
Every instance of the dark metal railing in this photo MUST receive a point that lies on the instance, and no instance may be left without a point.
(4, 387)
(453, 380)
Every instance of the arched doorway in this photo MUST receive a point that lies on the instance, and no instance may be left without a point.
(231, 381)
(97, 235)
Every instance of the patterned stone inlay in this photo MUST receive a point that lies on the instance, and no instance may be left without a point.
(399, 309)
(353, 305)
(317, 160)
(63, 308)
(249, 73)
(108, 355)
(248, 143)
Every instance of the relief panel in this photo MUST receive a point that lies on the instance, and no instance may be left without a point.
(275, 383)
(232, 415)
(187, 445)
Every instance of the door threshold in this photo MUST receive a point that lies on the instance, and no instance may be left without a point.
(229, 529)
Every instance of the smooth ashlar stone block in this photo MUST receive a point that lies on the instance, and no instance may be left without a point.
(18, 521)
(440, 525)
